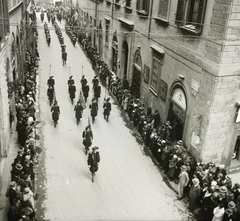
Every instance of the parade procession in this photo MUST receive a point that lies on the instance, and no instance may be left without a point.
(88, 148)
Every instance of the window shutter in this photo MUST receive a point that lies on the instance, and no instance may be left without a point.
(180, 12)
(163, 8)
(200, 15)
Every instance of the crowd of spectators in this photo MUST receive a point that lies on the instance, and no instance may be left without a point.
(206, 186)
(21, 190)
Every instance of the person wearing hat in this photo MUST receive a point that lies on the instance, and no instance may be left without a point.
(55, 109)
(107, 108)
(172, 167)
(17, 172)
(83, 81)
(50, 94)
(183, 181)
(78, 111)
(206, 205)
(94, 109)
(85, 90)
(72, 91)
(228, 215)
(227, 182)
(194, 194)
(87, 136)
(51, 82)
(93, 161)
(11, 191)
(95, 82)
(236, 190)
(64, 57)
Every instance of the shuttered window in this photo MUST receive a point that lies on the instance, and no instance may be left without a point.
(156, 73)
(190, 14)
(163, 9)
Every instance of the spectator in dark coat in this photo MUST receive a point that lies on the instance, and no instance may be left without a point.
(194, 194)
(94, 109)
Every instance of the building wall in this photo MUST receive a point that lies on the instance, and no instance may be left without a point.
(209, 63)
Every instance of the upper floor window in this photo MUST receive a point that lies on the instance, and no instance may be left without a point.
(190, 15)
(107, 34)
(128, 3)
(142, 6)
(163, 8)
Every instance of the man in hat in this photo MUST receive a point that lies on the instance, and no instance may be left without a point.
(85, 90)
(236, 191)
(51, 81)
(64, 57)
(78, 111)
(72, 90)
(94, 109)
(70, 81)
(228, 215)
(11, 191)
(93, 161)
(107, 108)
(50, 94)
(95, 82)
(83, 81)
(87, 138)
(194, 194)
(97, 91)
(55, 109)
(183, 181)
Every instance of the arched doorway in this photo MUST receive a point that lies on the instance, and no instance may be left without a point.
(177, 112)
(137, 70)
(100, 40)
(124, 64)
(114, 53)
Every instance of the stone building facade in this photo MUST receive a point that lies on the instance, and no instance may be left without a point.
(15, 40)
(180, 57)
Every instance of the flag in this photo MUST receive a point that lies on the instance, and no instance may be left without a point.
(238, 116)
(29, 8)
(82, 100)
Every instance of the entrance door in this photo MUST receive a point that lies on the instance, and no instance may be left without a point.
(177, 113)
(136, 82)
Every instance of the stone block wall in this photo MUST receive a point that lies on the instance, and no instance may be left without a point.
(220, 118)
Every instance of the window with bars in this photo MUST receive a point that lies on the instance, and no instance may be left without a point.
(190, 15)
(163, 9)
(142, 6)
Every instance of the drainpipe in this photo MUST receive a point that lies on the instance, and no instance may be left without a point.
(150, 19)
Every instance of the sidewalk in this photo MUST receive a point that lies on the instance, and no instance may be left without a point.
(6, 168)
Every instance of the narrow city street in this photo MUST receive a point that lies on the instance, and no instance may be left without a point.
(128, 186)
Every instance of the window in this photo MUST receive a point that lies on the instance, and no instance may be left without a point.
(128, 3)
(156, 74)
(107, 34)
(142, 6)
(190, 15)
(163, 9)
